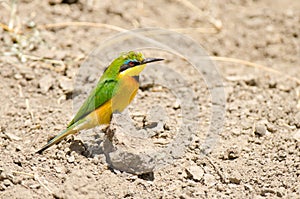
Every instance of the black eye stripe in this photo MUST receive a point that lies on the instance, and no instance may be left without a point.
(124, 67)
(129, 65)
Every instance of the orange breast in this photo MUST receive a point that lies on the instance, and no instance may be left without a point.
(125, 93)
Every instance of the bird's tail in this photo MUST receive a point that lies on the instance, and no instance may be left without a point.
(79, 125)
(57, 139)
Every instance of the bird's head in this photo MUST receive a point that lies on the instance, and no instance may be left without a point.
(130, 63)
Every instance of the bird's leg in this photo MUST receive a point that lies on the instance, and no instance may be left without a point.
(109, 132)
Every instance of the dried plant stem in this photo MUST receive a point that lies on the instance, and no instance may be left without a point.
(6, 28)
(13, 12)
(35, 177)
(251, 64)
(81, 23)
(199, 30)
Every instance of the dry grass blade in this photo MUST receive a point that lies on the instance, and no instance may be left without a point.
(251, 64)
(13, 12)
(199, 30)
(52, 61)
(23, 173)
(35, 177)
(29, 109)
(80, 23)
(6, 28)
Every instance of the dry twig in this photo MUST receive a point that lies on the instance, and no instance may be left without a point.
(35, 177)
(251, 64)
(81, 23)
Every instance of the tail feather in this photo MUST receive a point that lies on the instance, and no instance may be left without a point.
(74, 128)
(57, 139)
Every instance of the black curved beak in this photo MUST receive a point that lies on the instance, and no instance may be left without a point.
(149, 60)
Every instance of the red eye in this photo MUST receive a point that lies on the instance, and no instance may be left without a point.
(131, 64)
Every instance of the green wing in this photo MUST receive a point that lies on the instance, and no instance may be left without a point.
(101, 94)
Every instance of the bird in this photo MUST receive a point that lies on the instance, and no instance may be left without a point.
(114, 91)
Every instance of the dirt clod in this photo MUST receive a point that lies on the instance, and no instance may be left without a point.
(195, 172)
(260, 129)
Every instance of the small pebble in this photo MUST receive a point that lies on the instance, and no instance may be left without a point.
(71, 159)
(46, 83)
(234, 180)
(232, 153)
(260, 130)
(35, 186)
(7, 182)
(209, 180)
(18, 76)
(66, 84)
(195, 172)
(248, 187)
(176, 105)
(58, 169)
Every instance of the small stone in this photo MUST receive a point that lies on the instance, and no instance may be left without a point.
(66, 84)
(267, 191)
(12, 136)
(161, 141)
(209, 180)
(42, 159)
(176, 105)
(35, 186)
(195, 172)
(260, 130)
(71, 159)
(27, 123)
(19, 148)
(31, 24)
(271, 127)
(232, 153)
(220, 187)
(58, 169)
(18, 76)
(7, 182)
(2, 187)
(248, 187)
(46, 83)
(251, 82)
(280, 192)
(284, 87)
(234, 180)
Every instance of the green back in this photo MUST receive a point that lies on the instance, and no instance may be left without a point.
(103, 92)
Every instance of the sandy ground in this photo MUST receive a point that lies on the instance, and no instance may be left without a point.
(257, 151)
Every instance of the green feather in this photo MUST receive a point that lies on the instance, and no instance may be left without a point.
(101, 94)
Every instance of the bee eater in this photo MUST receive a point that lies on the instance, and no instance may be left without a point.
(115, 90)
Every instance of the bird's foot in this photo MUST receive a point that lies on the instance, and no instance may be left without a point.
(109, 133)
